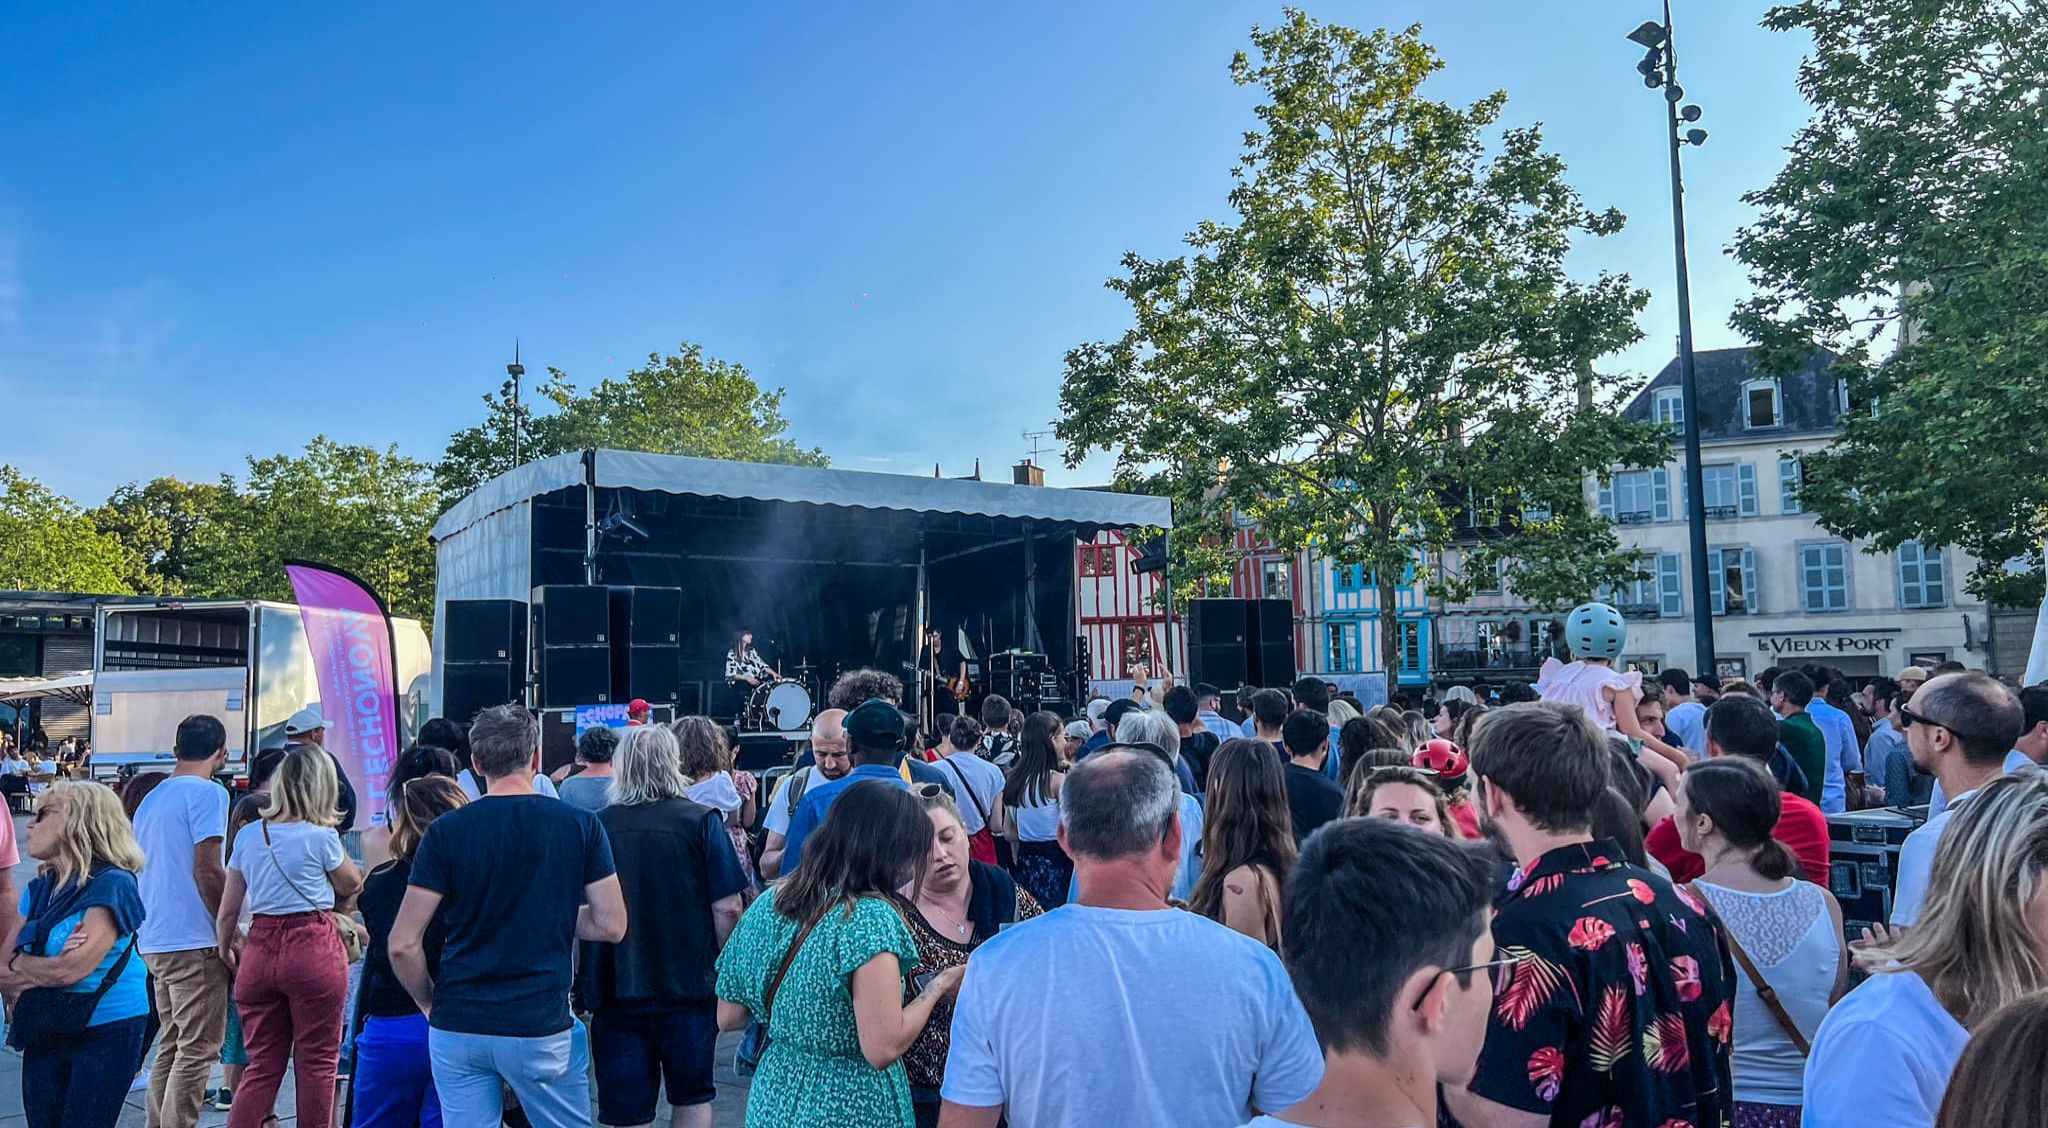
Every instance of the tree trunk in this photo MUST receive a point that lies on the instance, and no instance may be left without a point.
(1390, 636)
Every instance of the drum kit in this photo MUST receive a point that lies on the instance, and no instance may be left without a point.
(781, 704)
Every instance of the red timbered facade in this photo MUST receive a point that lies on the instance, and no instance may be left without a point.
(1121, 614)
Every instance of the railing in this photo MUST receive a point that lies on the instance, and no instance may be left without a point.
(1522, 657)
(1723, 512)
(1636, 517)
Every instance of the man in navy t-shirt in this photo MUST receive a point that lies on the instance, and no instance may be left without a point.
(516, 878)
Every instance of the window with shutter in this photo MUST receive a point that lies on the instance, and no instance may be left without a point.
(1607, 501)
(1789, 481)
(1749, 599)
(1745, 489)
(1824, 577)
(1670, 585)
(1923, 578)
(1660, 493)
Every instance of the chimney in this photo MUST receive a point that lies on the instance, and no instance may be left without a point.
(977, 470)
(1027, 473)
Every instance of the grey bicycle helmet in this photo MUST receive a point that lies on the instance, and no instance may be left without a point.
(1595, 630)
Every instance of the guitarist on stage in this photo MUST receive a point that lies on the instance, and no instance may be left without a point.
(948, 671)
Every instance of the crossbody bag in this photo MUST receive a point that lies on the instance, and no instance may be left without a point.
(44, 1016)
(1765, 993)
(754, 1043)
(352, 938)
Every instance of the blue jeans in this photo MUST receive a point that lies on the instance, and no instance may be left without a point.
(549, 1074)
(394, 1079)
(81, 1081)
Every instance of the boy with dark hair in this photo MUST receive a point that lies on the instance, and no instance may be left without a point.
(1311, 797)
(1791, 692)
(1387, 943)
(1197, 742)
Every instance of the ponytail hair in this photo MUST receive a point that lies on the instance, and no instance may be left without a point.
(1744, 801)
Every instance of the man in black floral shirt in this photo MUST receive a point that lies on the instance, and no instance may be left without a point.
(1617, 1011)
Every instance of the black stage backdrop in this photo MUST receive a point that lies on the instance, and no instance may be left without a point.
(832, 586)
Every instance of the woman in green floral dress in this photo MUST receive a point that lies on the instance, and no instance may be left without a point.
(838, 1027)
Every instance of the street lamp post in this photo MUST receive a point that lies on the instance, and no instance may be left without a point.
(517, 371)
(1659, 68)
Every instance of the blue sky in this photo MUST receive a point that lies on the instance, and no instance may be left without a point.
(225, 228)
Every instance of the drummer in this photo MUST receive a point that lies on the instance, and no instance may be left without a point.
(743, 663)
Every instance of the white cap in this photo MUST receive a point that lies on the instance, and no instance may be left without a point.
(305, 721)
(1078, 729)
(1097, 708)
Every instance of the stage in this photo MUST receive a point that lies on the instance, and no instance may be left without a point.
(833, 569)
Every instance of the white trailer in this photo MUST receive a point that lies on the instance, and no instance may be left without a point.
(244, 661)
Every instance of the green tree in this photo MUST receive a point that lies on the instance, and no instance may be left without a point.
(158, 523)
(47, 544)
(1911, 210)
(356, 507)
(1386, 335)
(684, 403)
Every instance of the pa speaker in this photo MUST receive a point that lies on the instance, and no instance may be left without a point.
(575, 675)
(1225, 667)
(647, 616)
(653, 673)
(468, 688)
(572, 615)
(1218, 622)
(484, 630)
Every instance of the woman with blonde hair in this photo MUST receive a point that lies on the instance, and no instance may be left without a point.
(291, 980)
(78, 938)
(394, 1084)
(1884, 1054)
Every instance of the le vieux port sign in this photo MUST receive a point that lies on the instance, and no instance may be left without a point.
(1789, 644)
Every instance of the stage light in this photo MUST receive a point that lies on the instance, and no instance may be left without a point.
(1650, 34)
(1690, 113)
(1696, 136)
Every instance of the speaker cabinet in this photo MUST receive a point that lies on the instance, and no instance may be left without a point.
(575, 675)
(468, 688)
(485, 630)
(647, 616)
(572, 615)
(652, 673)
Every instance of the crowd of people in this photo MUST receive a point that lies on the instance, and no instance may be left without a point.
(1598, 900)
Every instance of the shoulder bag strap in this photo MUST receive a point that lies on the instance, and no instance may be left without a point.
(1765, 993)
(788, 958)
(979, 809)
(271, 848)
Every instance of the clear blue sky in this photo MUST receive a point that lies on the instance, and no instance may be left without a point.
(225, 228)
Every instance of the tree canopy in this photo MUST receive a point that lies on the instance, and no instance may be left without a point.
(159, 522)
(683, 403)
(1911, 211)
(356, 507)
(1384, 341)
(48, 544)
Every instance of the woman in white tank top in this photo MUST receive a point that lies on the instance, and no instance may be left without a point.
(1790, 930)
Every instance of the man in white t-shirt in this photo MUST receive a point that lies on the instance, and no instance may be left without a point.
(832, 758)
(1960, 728)
(1115, 1009)
(180, 826)
(1390, 949)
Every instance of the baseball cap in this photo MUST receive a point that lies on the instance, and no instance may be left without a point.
(638, 705)
(1912, 672)
(1711, 681)
(1096, 708)
(305, 721)
(875, 723)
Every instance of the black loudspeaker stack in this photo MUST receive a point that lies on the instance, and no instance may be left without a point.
(486, 651)
(1233, 642)
(647, 655)
(574, 628)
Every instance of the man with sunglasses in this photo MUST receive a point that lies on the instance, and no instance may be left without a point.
(1959, 727)
(1618, 1009)
(1388, 944)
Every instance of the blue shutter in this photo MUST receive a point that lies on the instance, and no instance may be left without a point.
(1670, 586)
(1909, 575)
(1717, 583)
(1933, 578)
(1789, 480)
(1749, 580)
(1660, 493)
(1745, 489)
(1607, 500)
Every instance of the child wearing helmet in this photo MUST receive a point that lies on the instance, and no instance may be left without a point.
(1596, 634)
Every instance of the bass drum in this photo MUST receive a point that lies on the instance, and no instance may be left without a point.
(782, 706)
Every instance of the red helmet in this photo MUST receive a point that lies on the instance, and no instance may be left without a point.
(1444, 758)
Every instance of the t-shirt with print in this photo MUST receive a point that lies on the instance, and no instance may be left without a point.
(179, 814)
(1619, 1007)
(984, 786)
(1160, 1019)
(288, 873)
(510, 870)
